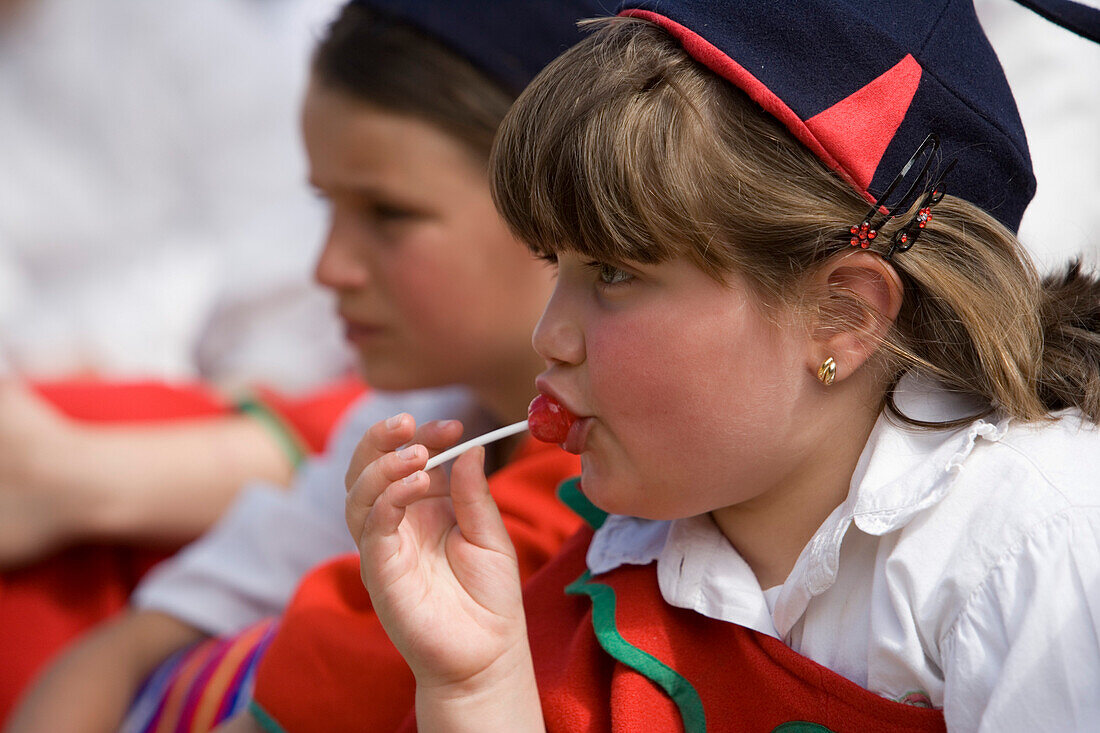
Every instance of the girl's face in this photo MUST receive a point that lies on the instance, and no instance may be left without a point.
(431, 286)
(690, 394)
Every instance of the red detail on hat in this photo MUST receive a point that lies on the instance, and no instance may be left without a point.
(858, 129)
(837, 156)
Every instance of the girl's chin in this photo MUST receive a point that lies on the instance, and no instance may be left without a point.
(389, 374)
(625, 498)
(608, 495)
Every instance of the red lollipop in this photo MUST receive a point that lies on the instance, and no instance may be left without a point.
(548, 421)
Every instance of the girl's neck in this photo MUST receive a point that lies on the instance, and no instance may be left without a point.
(771, 530)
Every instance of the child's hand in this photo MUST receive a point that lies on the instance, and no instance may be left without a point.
(438, 563)
(39, 510)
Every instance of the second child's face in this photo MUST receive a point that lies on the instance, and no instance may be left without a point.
(691, 394)
(431, 286)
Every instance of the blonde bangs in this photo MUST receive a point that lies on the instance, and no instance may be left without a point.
(595, 158)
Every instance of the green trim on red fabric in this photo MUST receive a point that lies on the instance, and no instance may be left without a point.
(292, 444)
(263, 718)
(569, 491)
(675, 685)
(801, 726)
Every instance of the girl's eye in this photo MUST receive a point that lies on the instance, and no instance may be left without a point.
(384, 213)
(609, 274)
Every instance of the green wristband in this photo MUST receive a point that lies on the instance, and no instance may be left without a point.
(291, 445)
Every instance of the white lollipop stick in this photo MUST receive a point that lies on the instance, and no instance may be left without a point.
(489, 437)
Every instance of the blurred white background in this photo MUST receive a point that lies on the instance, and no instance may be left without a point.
(154, 216)
(1055, 76)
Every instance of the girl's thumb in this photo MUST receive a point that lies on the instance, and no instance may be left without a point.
(475, 511)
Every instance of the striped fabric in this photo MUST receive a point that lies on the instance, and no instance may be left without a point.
(200, 686)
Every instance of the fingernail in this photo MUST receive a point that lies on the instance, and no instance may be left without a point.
(394, 421)
(407, 454)
(444, 424)
(414, 476)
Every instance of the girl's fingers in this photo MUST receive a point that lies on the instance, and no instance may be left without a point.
(379, 540)
(438, 435)
(375, 478)
(390, 434)
(475, 511)
(390, 508)
(382, 437)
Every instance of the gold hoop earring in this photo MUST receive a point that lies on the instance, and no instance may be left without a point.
(826, 373)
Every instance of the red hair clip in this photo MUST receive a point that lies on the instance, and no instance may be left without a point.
(905, 237)
(862, 234)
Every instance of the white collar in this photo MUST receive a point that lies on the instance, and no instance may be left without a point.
(901, 472)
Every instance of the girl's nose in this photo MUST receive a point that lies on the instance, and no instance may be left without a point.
(558, 336)
(340, 265)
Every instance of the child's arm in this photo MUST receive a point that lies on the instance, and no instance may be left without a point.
(63, 481)
(90, 686)
(443, 578)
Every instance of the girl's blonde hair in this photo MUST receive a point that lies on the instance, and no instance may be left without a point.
(625, 149)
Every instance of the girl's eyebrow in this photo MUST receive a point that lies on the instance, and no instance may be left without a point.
(365, 189)
(354, 188)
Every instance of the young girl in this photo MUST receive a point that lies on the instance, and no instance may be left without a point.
(844, 436)
(438, 299)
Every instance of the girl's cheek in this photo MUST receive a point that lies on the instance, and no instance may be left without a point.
(423, 291)
(631, 370)
(659, 383)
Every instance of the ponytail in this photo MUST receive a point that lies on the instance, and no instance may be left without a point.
(1070, 315)
(978, 318)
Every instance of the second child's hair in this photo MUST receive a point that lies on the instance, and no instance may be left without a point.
(626, 149)
(390, 65)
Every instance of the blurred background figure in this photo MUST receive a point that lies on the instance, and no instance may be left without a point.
(157, 240)
(1055, 77)
(154, 220)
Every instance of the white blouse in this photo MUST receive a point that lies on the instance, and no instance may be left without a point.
(962, 570)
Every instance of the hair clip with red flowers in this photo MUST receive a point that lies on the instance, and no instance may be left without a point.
(862, 234)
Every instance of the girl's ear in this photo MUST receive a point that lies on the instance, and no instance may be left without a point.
(859, 296)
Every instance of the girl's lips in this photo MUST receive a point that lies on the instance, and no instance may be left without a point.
(359, 331)
(577, 437)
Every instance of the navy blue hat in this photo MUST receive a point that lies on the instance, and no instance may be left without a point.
(861, 83)
(526, 34)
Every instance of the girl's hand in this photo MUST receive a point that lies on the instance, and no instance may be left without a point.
(442, 575)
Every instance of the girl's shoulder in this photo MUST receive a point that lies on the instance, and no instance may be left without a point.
(1002, 507)
(1023, 496)
(1060, 457)
(1018, 483)
(993, 464)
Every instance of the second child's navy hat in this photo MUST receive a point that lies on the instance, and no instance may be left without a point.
(862, 83)
(509, 40)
